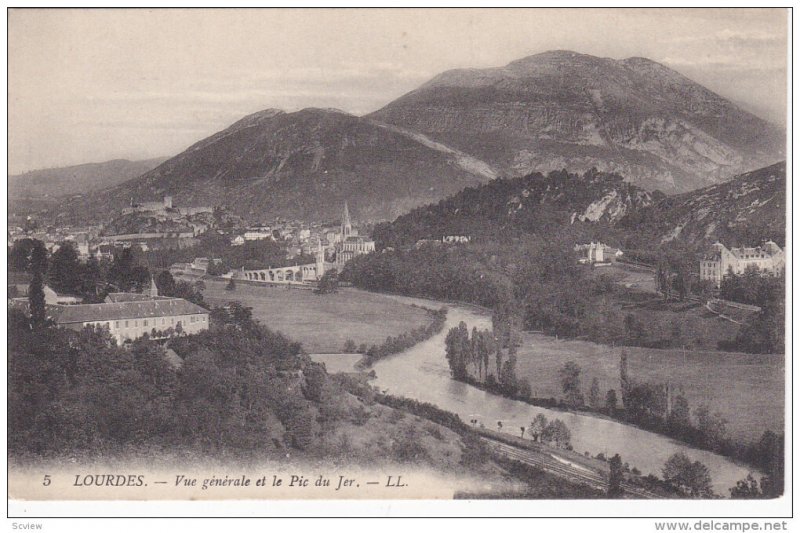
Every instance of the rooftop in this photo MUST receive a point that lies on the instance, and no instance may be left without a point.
(70, 314)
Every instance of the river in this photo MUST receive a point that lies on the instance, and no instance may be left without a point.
(422, 373)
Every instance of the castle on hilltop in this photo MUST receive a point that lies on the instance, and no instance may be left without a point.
(164, 208)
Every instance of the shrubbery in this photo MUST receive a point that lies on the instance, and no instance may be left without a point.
(402, 342)
(70, 391)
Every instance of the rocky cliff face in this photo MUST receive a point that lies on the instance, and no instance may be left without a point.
(566, 110)
(744, 211)
(304, 165)
(587, 205)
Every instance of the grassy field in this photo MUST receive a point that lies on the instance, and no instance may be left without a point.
(664, 323)
(629, 276)
(322, 323)
(747, 389)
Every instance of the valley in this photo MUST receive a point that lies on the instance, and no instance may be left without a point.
(574, 214)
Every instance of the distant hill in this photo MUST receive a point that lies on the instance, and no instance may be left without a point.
(589, 205)
(744, 211)
(561, 109)
(300, 165)
(78, 179)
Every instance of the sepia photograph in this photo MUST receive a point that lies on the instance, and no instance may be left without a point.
(450, 255)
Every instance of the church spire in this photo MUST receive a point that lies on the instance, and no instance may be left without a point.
(153, 288)
(347, 227)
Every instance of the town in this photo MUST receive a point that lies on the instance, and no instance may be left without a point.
(535, 274)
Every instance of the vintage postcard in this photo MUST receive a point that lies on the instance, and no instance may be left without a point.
(399, 254)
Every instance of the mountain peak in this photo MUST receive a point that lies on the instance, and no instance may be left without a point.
(256, 118)
(325, 111)
(564, 109)
(552, 55)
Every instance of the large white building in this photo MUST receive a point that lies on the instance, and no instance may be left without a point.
(769, 259)
(596, 252)
(129, 316)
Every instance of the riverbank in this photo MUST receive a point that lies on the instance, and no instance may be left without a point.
(741, 454)
(404, 341)
(421, 373)
(715, 379)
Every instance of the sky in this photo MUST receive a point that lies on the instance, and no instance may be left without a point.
(93, 85)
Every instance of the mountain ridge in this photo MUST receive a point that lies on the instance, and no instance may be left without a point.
(561, 109)
(597, 206)
(77, 179)
(302, 164)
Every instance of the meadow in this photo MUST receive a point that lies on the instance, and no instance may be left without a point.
(322, 323)
(746, 389)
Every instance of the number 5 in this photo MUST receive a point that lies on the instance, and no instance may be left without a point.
(46, 481)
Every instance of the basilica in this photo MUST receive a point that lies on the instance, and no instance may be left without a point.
(350, 244)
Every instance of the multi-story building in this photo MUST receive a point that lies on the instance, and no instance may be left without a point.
(129, 316)
(130, 320)
(350, 245)
(768, 259)
(596, 252)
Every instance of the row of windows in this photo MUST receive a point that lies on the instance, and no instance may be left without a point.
(150, 322)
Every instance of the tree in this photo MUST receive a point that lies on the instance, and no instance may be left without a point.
(713, 426)
(557, 432)
(349, 346)
(457, 346)
(634, 329)
(679, 416)
(624, 379)
(165, 283)
(314, 384)
(126, 274)
(570, 375)
(64, 272)
(769, 452)
(616, 476)
(508, 376)
(90, 278)
(524, 388)
(730, 288)
(36, 300)
(21, 256)
(681, 284)
(328, 283)
(746, 489)
(594, 394)
(188, 291)
(538, 426)
(690, 478)
(611, 401)
(217, 268)
(38, 261)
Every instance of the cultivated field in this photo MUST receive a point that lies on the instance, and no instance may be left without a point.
(322, 323)
(747, 389)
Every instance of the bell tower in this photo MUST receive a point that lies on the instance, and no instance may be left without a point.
(320, 263)
(347, 227)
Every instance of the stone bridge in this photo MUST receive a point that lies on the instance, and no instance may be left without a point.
(289, 274)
